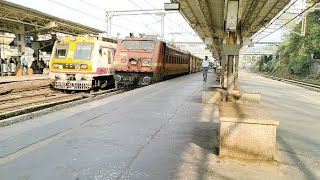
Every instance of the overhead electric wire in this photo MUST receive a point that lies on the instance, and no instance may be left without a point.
(289, 20)
(170, 21)
(148, 14)
(143, 9)
(87, 14)
(107, 11)
(179, 25)
(275, 19)
(146, 25)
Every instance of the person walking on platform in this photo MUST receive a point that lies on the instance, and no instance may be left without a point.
(24, 63)
(205, 66)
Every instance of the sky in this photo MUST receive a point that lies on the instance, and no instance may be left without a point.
(92, 13)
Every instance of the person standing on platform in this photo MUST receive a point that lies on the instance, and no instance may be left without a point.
(205, 66)
(24, 63)
(214, 66)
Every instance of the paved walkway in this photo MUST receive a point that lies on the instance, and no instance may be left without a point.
(157, 132)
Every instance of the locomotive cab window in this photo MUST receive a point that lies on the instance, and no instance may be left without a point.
(61, 51)
(138, 45)
(83, 51)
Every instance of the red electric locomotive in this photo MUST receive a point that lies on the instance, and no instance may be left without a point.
(142, 61)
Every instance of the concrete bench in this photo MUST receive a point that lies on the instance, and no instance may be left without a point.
(247, 131)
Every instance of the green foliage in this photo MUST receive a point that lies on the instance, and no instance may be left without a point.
(294, 52)
(299, 66)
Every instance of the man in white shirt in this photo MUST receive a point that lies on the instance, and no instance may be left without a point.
(24, 64)
(205, 66)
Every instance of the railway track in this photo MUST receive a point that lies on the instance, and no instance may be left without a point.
(24, 102)
(299, 83)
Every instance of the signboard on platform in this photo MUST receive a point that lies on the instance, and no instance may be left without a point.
(172, 6)
(232, 16)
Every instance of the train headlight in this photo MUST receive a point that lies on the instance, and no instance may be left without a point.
(78, 77)
(55, 65)
(133, 62)
(84, 66)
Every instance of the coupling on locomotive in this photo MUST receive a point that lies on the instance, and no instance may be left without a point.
(85, 63)
(82, 63)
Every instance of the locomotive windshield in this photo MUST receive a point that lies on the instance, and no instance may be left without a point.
(83, 51)
(61, 50)
(144, 45)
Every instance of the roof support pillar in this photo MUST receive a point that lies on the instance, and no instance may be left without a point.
(230, 47)
(236, 73)
(21, 45)
(230, 58)
(230, 84)
(223, 70)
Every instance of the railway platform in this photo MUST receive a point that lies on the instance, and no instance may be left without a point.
(9, 79)
(17, 83)
(161, 131)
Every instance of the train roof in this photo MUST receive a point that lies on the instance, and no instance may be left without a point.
(75, 38)
(155, 40)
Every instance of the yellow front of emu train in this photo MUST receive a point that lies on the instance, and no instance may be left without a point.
(82, 63)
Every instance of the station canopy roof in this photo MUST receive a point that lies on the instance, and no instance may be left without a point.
(13, 15)
(207, 17)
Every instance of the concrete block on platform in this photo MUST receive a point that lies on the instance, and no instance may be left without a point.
(247, 97)
(211, 96)
(247, 131)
